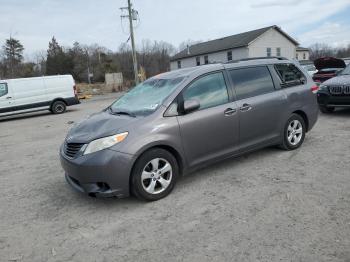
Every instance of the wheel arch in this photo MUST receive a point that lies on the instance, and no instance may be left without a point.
(304, 116)
(58, 99)
(171, 149)
(175, 152)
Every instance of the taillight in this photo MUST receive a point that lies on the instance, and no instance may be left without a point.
(75, 90)
(314, 89)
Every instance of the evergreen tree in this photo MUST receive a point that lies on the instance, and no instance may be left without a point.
(58, 62)
(13, 53)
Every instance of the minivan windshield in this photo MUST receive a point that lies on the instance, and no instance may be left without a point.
(146, 97)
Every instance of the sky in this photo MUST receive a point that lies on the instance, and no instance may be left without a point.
(34, 22)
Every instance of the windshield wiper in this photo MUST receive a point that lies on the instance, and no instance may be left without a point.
(121, 112)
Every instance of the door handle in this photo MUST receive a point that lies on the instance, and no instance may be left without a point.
(229, 111)
(245, 107)
(9, 97)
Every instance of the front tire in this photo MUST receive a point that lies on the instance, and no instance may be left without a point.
(293, 133)
(154, 175)
(58, 107)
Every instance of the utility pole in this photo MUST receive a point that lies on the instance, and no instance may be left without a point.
(132, 16)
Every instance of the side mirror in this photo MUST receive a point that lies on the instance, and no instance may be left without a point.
(191, 105)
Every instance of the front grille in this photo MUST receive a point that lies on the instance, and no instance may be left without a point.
(346, 90)
(336, 90)
(72, 149)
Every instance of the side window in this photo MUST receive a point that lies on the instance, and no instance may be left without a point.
(3, 89)
(290, 75)
(209, 90)
(252, 81)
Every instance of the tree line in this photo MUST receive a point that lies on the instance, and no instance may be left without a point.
(79, 60)
(321, 50)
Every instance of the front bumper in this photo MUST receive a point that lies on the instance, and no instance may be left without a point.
(102, 174)
(324, 98)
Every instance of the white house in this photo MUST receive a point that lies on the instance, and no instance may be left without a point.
(302, 53)
(268, 41)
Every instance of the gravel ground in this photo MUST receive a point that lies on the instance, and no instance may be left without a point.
(270, 205)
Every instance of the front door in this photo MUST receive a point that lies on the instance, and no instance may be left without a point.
(212, 130)
(6, 99)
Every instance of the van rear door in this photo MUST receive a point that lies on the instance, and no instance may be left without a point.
(59, 87)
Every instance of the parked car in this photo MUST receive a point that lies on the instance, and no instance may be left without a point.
(179, 121)
(310, 68)
(25, 95)
(335, 92)
(327, 67)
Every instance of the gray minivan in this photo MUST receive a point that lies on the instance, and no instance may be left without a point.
(176, 122)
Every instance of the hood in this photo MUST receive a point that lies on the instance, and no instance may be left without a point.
(98, 125)
(329, 62)
(338, 80)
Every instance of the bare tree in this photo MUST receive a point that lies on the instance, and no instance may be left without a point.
(320, 50)
(183, 45)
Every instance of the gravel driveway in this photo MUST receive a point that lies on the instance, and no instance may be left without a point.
(270, 205)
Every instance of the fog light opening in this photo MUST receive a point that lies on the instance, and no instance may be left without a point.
(103, 186)
(92, 194)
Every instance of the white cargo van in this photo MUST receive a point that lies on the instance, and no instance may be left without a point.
(23, 95)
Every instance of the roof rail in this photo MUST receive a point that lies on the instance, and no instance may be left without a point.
(258, 58)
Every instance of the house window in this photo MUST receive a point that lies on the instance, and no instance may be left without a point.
(198, 61)
(206, 61)
(229, 56)
(297, 56)
(278, 51)
(179, 64)
(304, 56)
(268, 51)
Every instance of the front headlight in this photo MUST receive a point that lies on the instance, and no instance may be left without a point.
(105, 142)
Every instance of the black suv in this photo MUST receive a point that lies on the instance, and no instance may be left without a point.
(335, 92)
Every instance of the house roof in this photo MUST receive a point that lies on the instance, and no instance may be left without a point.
(229, 42)
(299, 48)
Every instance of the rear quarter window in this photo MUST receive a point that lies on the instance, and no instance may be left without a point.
(289, 75)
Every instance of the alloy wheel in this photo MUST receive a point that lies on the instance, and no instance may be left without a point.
(156, 176)
(294, 132)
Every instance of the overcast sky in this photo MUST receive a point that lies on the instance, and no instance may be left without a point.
(34, 22)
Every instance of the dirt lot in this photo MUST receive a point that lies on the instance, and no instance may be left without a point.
(270, 205)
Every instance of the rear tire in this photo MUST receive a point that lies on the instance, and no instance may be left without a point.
(58, 107)
(293, 132)
(154, 175)
(327, 109)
